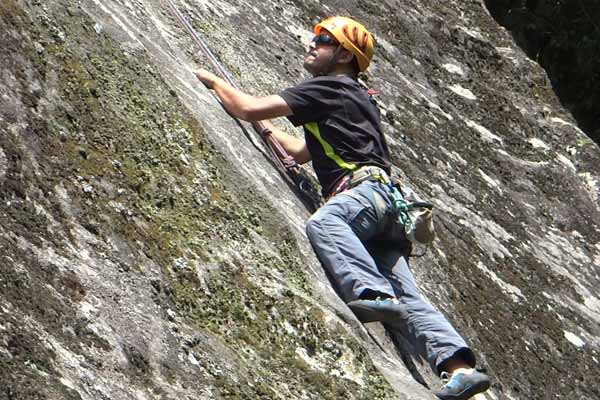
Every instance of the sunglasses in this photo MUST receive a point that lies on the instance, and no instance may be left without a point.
(324, 38)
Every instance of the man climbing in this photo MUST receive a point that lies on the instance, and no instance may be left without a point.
(351, 234)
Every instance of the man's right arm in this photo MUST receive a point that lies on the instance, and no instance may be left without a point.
(294, 146)
(242, 105)
(250, 108)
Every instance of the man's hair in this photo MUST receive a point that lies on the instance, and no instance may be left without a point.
(355, 65)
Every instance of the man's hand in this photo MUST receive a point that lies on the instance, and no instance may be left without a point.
(206, 77)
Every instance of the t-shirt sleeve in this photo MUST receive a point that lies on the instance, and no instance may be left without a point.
(310, 100)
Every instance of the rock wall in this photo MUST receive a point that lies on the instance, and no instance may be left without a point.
(149, 250)
(564, 37)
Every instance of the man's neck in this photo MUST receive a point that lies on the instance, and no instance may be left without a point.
(348, 74)
(342, 70)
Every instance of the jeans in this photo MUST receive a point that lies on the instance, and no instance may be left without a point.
(363, 250)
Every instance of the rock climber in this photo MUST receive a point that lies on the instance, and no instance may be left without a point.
(352, 233)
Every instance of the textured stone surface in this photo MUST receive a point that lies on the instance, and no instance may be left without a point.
(564, 37)
(149, 250)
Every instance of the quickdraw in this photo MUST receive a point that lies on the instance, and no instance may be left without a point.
(293, 173)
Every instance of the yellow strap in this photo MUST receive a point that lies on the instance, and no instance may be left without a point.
(314, 129)
(371, 172)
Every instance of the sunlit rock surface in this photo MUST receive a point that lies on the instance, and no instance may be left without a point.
(564, 37)
(149, 250)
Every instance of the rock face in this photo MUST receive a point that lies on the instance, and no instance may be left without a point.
(564, 37)
(149, 250)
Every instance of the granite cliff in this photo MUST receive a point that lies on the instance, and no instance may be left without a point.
(149, 250)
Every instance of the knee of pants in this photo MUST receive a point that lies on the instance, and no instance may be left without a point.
(418, 307)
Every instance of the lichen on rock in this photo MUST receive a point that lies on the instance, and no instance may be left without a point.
(149, 250)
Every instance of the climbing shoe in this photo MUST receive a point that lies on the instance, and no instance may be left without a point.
(462, 384)
(383, 310)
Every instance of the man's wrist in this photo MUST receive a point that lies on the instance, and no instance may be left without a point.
(216, 81)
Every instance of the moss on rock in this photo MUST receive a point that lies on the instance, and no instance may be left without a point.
(108, 134)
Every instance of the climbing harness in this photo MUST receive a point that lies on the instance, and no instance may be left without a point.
(413, 214)
(291, 171)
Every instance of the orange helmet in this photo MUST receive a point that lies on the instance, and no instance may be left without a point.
(353, 36)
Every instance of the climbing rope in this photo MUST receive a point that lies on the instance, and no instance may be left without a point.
(401, 206)
(290, 170)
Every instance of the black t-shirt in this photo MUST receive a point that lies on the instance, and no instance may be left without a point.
(341, 126)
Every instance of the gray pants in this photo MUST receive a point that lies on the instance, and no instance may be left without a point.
(353, 236)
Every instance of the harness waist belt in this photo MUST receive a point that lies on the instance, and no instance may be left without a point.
(355, 178)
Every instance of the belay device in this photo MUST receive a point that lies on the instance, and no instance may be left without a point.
(293, 173)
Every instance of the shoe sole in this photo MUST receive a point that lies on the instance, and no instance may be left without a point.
(470, 392)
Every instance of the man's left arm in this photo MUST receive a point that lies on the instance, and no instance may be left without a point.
(242, 105)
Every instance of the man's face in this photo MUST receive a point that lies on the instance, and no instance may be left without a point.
(320, 53)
